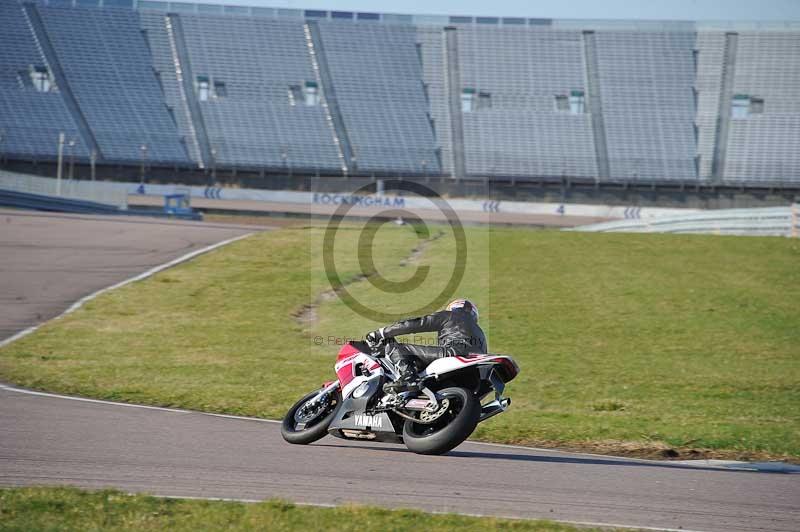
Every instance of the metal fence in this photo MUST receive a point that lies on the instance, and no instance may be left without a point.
(96, 191)
(770, 221)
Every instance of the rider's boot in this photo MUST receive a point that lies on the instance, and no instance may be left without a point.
(407, 382)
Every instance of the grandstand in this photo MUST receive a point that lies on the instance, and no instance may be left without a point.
(205, 88)
(32, 112)
(107, 66)
(517, 127)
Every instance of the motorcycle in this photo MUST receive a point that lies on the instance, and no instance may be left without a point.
(433, 420)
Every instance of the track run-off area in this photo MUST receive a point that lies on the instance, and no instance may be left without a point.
(49, 262)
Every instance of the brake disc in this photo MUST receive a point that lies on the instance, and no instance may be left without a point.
(309, 410)
(430, 417)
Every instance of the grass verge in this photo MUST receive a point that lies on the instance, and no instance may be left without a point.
(26, 509)
(647, 345)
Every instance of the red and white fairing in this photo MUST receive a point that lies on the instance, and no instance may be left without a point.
(349, 370)
(441, 366)
(351, 363)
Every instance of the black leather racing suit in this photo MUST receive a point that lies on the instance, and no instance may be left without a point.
(458, 334)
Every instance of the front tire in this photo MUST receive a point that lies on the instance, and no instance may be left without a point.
(450, 430)
(314, 425)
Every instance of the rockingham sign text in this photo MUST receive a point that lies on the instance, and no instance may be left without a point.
(359, 200)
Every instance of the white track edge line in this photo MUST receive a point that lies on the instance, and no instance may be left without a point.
(131, 405)
(264, 420)
(434, 512)
(144, 275)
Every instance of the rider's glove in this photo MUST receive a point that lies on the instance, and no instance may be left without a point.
(375, 338)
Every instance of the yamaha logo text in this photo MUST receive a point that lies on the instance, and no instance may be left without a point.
(369, 421)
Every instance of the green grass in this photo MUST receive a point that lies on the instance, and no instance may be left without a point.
(627, 343)
(62, 509)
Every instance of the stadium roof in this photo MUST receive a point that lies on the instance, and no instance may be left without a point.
(435, 20)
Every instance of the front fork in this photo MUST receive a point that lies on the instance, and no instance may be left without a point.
(326, 389)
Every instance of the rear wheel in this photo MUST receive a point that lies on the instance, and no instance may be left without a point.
(451, 425)
(307, 421)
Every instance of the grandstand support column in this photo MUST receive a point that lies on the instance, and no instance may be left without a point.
(319, 63)
(724, 112)
(59, 168)
(93, 164)
(595, 105)
(454, 100)
(183, 73)
(48, 53)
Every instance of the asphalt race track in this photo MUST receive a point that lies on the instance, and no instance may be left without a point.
(51, 440)
(49, 261)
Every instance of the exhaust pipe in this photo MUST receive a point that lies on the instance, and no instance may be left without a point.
(493, 408)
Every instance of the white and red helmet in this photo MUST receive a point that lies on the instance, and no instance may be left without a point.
(465, 304)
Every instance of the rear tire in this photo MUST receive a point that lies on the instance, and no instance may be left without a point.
(435, 439)
(319, 424)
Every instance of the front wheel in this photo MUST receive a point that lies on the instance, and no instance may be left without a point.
(458, 417)
(307, 421)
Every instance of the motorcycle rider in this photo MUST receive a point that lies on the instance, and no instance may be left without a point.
(458, 334)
